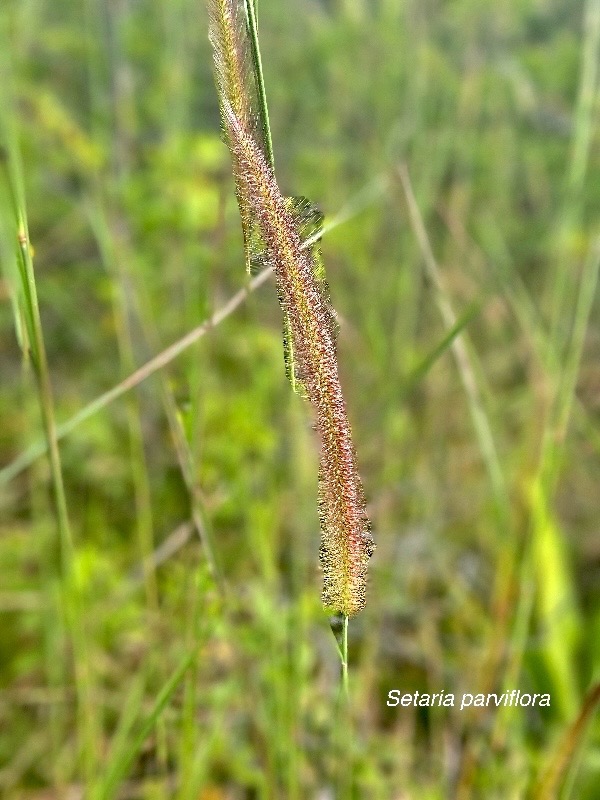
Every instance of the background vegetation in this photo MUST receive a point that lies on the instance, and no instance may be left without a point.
(167, 640)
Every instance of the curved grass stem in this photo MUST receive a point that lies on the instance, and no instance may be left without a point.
(260, 82)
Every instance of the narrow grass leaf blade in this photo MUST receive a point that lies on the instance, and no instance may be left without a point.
(419, 372)
(127, 756)
(549, 784)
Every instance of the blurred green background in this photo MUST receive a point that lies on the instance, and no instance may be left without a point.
(179, 649)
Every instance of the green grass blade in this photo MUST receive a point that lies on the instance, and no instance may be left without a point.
(125, 758)
(251, 9)
(549, 783)
(419, 372)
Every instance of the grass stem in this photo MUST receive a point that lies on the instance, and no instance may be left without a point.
(260, 82)
(345, 659)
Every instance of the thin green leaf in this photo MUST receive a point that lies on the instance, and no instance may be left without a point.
(127, 756)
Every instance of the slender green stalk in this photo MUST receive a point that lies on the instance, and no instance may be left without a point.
(187, 466)
(260, 82)
(342, 723)
(339, 628)
(345, 658)
(39, 361)
(28, 298)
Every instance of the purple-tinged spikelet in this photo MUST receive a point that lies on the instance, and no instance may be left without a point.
(346, 542)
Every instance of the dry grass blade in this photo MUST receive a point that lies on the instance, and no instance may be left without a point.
(549, 784)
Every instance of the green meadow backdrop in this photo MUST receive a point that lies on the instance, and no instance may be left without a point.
(161, 631)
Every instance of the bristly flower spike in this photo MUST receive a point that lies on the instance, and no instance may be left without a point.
(284, 225)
